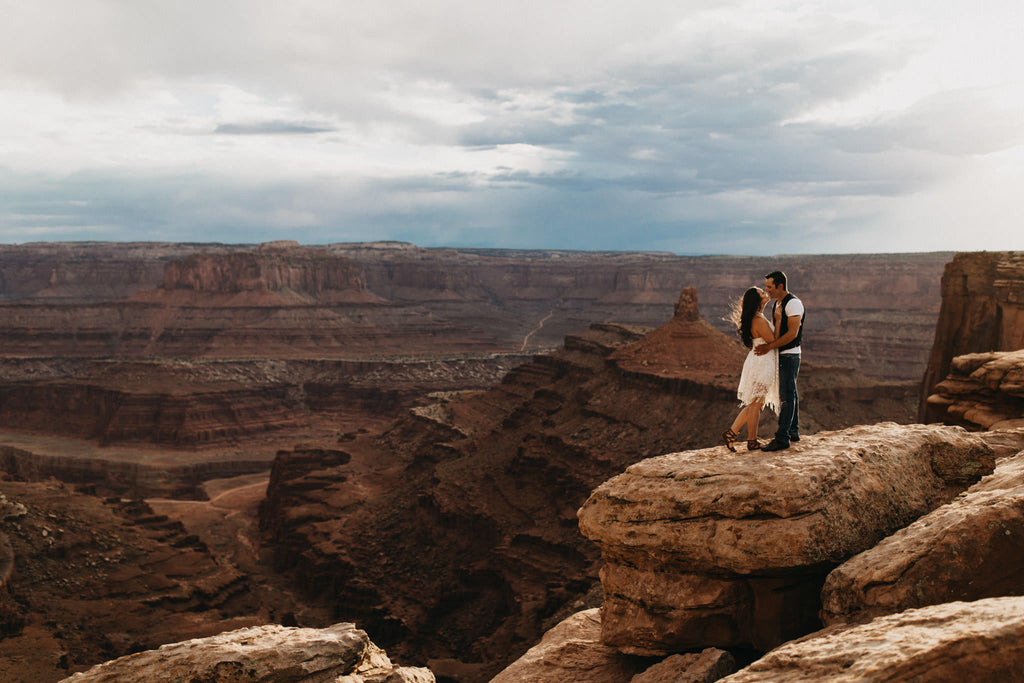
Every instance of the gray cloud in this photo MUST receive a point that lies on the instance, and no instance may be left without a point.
(573, 124)
(272, 128)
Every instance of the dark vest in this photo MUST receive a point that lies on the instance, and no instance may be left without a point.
(784, 324)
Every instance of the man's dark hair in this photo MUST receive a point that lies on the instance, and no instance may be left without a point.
(778, 277)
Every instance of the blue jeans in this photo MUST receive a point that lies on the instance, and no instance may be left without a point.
(789, 413)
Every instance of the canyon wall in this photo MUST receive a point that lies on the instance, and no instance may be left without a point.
(452, 537)
(982, 311)
(211, 345)
(95, 579)
(137, 480)
(874, 313)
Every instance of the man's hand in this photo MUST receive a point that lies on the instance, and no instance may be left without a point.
(761, 349)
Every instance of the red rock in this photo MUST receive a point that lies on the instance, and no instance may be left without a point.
(159, 300)
(982, 391)
(956, 641)
(982, 311)
(572, 652)
(98, 579)
(458, 543)
(710, 548)
(707, 666)
(263, 653)
(969, 549)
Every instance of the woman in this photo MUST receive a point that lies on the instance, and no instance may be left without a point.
(759, 381)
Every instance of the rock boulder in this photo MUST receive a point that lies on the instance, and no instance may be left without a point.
(957, 641)
(982, 390)
(969, 549)
(710, 548)
(982, 311)
(572, 651)
(265, 653)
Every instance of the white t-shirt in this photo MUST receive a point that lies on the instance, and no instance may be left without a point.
(793, 308)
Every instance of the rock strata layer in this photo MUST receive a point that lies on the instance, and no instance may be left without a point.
(711, 548)
(349, 300)
(969, 549)
(572, 652)
(462, 542)
(982, 310)
(96, 579)
(261, 654)
(957, 641)
(982, 391)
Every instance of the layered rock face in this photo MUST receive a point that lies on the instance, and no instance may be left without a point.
(295, 271)
(573, 651)
(196, 403)
(982, 391)
(264, 653)
(967, 550)
(373, 299)
(959, 641)
(452, 538)
(92, 579)
(704, 548)
(84, 272)
(982, 311)
(173, 345)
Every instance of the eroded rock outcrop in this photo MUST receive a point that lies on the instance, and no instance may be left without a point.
(957, 641)
(712, 548)
(969, 549)
(572, 652)
(982, 311)
(150, 300)
(279, 272)
(96, 579)
(462, 542)
(982, 391)
(262, 654)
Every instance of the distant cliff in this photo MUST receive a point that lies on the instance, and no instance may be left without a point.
(303, 271)
(875, 313)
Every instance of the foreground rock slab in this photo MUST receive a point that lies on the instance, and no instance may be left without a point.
(264, 653)
(971, 548)
(572, 652)
(958, 641)
(982, 390)
(710, 548)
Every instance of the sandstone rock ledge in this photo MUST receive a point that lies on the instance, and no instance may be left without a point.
(957, 641)
(710, 548)
(969, 549)
(572, 652)
(982, 390)
(339, 654)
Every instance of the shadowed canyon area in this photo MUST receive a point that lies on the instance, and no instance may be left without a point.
(461, 450)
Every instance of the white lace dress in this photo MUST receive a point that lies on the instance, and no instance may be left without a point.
(760, 377)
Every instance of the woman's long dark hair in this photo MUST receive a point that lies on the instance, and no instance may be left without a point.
(743, 312)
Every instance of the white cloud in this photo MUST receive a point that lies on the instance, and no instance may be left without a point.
(529, 123)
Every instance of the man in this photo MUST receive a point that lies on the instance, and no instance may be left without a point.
(788, 314)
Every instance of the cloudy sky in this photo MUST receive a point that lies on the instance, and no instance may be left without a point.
(688, 126)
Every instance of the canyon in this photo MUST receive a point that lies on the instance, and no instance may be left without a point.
(157, 351)
(431, 420)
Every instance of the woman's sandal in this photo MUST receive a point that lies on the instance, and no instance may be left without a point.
(729, 437)
(754, 445)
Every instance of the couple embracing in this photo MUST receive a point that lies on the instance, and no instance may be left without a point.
(772, 365)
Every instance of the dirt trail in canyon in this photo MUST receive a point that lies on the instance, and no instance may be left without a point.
(535, 330)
